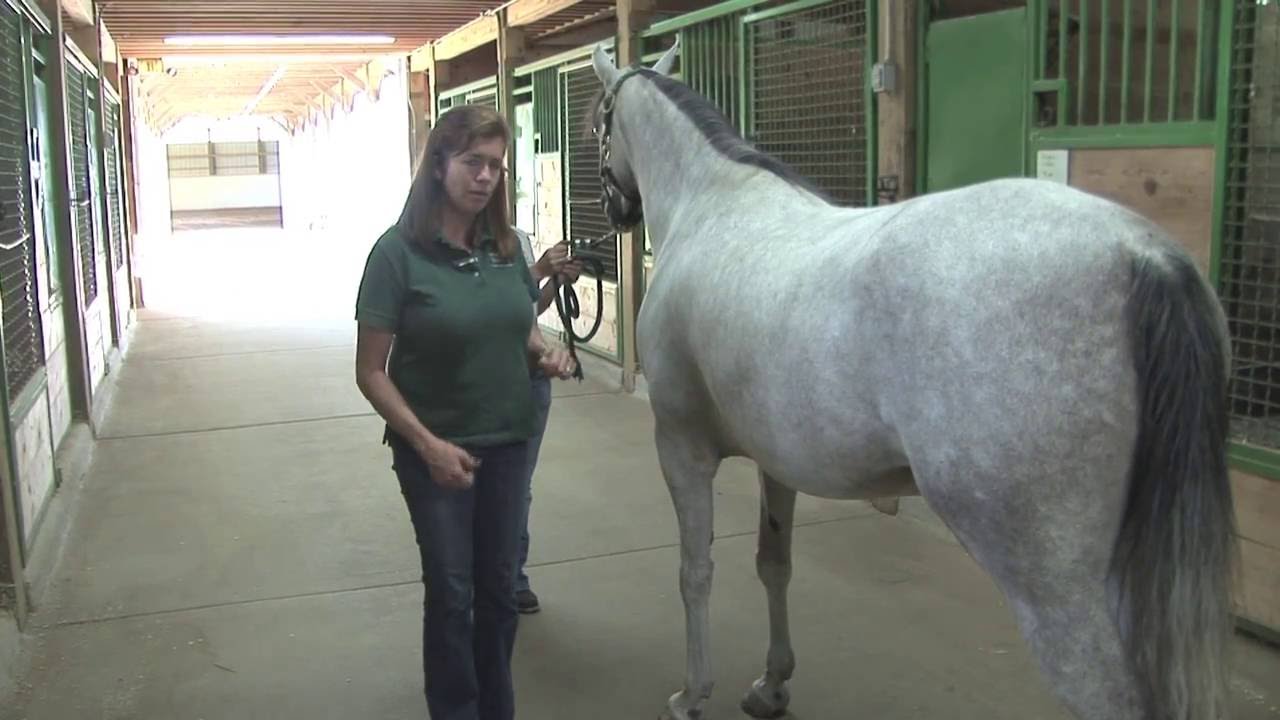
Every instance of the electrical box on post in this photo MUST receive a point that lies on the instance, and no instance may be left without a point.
(884, 77)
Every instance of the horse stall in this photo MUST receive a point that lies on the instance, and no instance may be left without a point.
(1195, 145)
(556, 161)
(1248, 272)
(1170, 109)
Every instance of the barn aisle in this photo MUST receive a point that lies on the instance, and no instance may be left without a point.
(239, 548)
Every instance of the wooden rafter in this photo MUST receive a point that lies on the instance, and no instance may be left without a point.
(320, 76)
(480, 31)
(536, 17)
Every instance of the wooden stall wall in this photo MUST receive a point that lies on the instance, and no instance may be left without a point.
(1171, 186)
(1258, 514)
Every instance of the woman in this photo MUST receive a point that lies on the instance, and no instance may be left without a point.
(447, 282)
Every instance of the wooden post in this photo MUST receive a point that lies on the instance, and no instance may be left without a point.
(100, 128)
(78, 383)
(437, 78)
(129, 160)
(511, 46)
(419, 115)
(896, 105)
(633, 18)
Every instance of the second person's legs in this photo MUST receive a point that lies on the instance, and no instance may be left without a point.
(526, 600)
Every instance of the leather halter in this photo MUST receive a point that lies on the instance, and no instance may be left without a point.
(611, 189)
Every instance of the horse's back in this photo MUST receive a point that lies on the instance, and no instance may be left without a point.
(1005, 288)
(942, 320)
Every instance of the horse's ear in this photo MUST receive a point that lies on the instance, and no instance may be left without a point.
(605, 69)
(668, 59)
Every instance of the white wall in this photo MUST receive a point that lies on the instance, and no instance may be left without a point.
(151, 193)
(348, 174)
(233, 191)
(230, 191)
(243, 129)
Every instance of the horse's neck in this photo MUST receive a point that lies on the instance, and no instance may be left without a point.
(680, 175)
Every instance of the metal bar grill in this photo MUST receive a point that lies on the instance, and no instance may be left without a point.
(582, 169)
(546, 109)
(806, 98)
(1163, 72)
(23, 338)
(1250, 259)
(81, 190)
(486, 97)
(712, 67)
(115, 199)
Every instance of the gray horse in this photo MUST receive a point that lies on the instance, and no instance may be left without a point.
(1047, 369)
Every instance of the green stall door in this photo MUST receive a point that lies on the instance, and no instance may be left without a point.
(977, 90)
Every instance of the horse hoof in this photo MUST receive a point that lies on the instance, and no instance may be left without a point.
(675, 714)
(766, 701)
(676, 710)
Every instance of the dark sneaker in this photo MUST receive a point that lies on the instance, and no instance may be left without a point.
(527, 602)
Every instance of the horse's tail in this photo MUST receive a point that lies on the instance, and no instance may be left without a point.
(1175, 555)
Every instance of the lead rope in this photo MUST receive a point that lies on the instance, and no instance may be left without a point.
(569, 308)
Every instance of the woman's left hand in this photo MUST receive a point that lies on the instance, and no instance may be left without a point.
(557, 363)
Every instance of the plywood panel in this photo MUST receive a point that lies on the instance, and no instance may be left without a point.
(549, 201)
(1257, 509)
(34, 452)
(1259, 594)
(606, 338)
(549, 207)
(96, 341)
(1171, 186)
(59, 394)
(123, 314)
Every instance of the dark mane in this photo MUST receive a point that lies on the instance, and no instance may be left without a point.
(722, 135)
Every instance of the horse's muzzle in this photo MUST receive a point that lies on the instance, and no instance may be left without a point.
(622, 213)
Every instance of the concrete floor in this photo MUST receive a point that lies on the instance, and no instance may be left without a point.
(240, 550)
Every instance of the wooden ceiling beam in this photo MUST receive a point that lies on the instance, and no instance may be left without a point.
(79, 12)
(327, 92)
(474, 34)
(484, 29)
(527, 12)
(359, 78)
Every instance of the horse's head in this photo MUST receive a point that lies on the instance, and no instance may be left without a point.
(620, 194)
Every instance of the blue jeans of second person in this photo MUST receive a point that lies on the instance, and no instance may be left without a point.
(541, 387)
(468, 540)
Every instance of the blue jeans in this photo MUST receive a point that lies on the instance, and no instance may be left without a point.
(468, 540)
(541, 386)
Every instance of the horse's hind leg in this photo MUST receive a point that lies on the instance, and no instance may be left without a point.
(1078, 646)
(1045, 536)
(768, 696)
(689, 468)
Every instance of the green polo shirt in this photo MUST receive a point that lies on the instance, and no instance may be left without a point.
(462, 323)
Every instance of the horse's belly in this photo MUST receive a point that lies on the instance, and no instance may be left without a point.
(858, 459)
(845, 481)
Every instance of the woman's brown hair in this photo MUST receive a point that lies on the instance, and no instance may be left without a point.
(453, 133)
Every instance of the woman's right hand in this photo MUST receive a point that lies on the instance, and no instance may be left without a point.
(450, 466)
(552, 261)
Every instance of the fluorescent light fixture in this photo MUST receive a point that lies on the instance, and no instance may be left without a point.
(269, 58)
(205, 40)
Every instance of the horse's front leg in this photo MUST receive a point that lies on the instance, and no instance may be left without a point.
(768, 696)
(689, 468)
